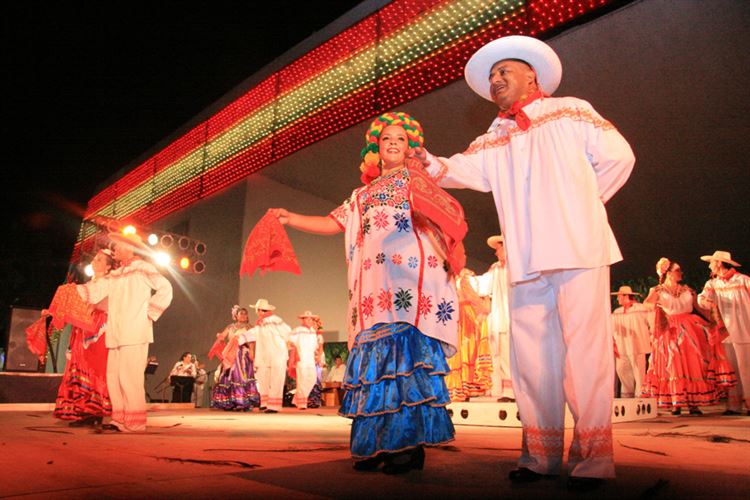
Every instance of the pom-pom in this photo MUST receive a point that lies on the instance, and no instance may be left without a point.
(662, 266)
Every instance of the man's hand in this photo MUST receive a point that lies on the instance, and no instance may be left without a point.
(420, 154)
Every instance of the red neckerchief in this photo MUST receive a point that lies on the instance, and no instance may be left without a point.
(517, 113)
(728, 275)
(259, 322)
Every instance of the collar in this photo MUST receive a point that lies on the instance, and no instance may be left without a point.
(728, 275)
(516, 112)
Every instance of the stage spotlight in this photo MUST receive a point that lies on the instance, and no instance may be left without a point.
(162, 258)
(199, 267)
(167, 240)
(183, 243)
(153, 239)
(200, 248)
(88, 270)
(184, 263)
(129, 230)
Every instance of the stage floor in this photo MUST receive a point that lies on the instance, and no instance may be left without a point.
(200, 453)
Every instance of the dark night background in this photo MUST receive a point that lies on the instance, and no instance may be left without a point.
(90, 86)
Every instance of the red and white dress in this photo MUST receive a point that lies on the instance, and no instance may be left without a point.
(685, 356)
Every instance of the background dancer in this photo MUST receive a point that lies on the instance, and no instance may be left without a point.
(235, 389)
(402, 310)
(138, 295)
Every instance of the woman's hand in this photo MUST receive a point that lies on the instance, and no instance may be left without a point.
(281, 214)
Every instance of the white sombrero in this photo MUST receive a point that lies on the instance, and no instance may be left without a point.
(131, 239)
(263, 305)
(308, 314)
(536, 53)
(494, 241)
(625, 290)
(721, 256)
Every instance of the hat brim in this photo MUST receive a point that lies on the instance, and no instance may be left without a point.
(621, 293)
(536, 53)
(709, 258)
(121, 238)
(493, 241)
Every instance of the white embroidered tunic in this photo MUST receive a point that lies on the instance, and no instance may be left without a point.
(132, 306)
(307, 341)
(396, 273)
(732, 296)
(271, 338)
(632, 329)
(549, 199)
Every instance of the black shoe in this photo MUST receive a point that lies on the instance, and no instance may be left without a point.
(268, 410)
(108, 428)
(506, 399)
(677, 411)
(371, 463)
(524, 475)
(695, 411)
(402, 462)
(731, 412)
(262, 408)
(576, 483)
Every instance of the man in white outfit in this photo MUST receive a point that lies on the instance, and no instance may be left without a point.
(308, 345)
(494, 283)
(632, 333)
(551, 165)
(271, 337)
(729, 292)
(137, 296)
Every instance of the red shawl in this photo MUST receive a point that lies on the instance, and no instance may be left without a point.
(68, 307)
(36, 338)
(268, 249)
(432, 202)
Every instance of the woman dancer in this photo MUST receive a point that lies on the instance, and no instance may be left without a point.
(83, 397)
(683, 366)
(402, 311)
(236, 390)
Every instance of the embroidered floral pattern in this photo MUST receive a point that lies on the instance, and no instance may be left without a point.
(590, 443)
(425, 305)
(403, 299)
(543, 442)
(366, 225)
(384, 300)
(396, 259)
(384, 192)
(380, 258)
(445, 311)
(380, 220)
(402, 222)
(491, 140)
(367, 264)
(368, 305)
(354, 317)
(432, 261)
(413, 262)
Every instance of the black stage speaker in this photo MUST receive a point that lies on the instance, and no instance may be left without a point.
(18, 357)
(182, 388)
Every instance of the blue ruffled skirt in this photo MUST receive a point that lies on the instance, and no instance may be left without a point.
(396, 394)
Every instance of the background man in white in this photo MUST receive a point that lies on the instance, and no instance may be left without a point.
(494, 283)
(729, 292)
(551, 164)
(632, 330)
(271, 337)
(137, 296)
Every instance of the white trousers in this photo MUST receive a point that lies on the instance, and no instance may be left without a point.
(501, 376)
(125, 383)
(561, 352)
(738, 356)
(631, 369)
(307, 375)
(270, 381)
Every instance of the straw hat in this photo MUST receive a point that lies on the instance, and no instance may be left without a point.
(536, 53)
(625, 290)
(308, 314)
(721, 256)
(494, 241)
(131, 239)
(263, 305)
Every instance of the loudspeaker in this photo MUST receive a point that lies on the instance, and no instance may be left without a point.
(19, 358)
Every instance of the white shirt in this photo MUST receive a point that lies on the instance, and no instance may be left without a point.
(632, 329)
(132, 307)
(270, 337)
(549, 184)
(336, 374)
(732, 297)
(307, 341)
(494, 283)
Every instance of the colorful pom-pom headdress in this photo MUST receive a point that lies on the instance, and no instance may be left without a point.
(370, 166)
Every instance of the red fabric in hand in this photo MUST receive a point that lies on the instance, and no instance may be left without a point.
(36, 338)
(268, 249)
